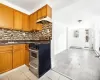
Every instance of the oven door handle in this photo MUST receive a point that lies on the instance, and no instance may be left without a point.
(32, 66)
(33, 50)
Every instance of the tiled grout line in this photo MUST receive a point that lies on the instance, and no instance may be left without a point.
(62, 74)
(59, 78)
(25, 75)
(8, 78)
(49, 78)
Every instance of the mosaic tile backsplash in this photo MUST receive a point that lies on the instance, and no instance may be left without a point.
(21, 35)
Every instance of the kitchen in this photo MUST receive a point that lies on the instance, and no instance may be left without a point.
(49, 40)
(25, 39)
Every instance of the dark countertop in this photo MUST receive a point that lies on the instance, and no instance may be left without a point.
(12, 42)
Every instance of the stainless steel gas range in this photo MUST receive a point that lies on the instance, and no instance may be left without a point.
(34, 61)
(40, 58)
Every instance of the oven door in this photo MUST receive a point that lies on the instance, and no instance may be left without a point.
(33, 53)
(33, 58)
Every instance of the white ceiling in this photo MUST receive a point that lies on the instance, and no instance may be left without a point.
(59, 4)
(29, 6)
(84, 10)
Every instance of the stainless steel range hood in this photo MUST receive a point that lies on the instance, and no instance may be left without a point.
(44, 20)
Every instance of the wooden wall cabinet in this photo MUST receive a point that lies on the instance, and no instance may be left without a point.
(49, 11)
(25, 24)
(46, 11)
(13, 19)
(33, 19)
(17, 20)
(41, 13)
(6, 17)
(39, 16)
(31, 22)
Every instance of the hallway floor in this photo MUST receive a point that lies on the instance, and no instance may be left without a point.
(78, 64)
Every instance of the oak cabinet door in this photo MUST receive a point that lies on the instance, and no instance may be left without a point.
(44, 11)
(26, 26)
(49, 11)
(17, 20)
(27, 57)
(6, 17)
(16, 58)
(27, 54)
(33, 19)
(22, 57)
(5, 61)
(39, 14)
(18, 55)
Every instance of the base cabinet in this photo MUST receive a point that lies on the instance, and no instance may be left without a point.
(18, 55)
(5, 61)
(18, 58)
(13, 56)
(27, 55)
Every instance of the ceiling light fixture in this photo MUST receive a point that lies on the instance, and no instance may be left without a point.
(79, 21)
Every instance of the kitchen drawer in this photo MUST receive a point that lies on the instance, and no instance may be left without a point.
(6, 48)
(18, 46)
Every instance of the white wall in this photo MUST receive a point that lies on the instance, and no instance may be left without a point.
(96, 29)
(76, 42)
(84, 10)
(59, 40)
(69, 15)
(79, 42)
(60, 37)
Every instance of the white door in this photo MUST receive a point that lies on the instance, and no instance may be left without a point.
(87, 38)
